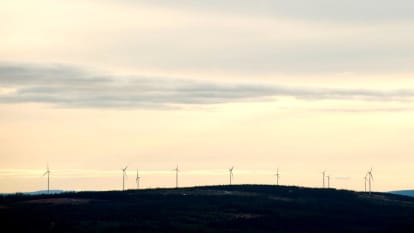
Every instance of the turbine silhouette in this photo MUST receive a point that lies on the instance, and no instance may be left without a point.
(323, 179)
(176, 176)
(370, 179)
(123, 177)
(365, 182)
(231, 173)
(48, 177)
(277, 176)
(137, 179)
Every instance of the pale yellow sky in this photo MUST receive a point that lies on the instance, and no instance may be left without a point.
(92, 86)
(256, 138)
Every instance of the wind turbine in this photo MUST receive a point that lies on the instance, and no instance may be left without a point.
(137, 179)
(323, 179)
(176, 176)
(231, 173)
(123, 177)
(277, 176)
(370, 178)
(329, 178)
(48, 177)
(365, 183)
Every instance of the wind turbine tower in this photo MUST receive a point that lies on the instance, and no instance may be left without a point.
(277, 176)
(329, 178)
(323, 179)
(123, 177)
(231, 173)
(370, 179)
(176, 176)
(48, 178)
(137, 179)
(365, 183)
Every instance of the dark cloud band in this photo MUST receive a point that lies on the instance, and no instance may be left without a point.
(72, 87)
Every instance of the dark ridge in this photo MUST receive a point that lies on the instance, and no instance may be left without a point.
(235, 208)
(409, 193)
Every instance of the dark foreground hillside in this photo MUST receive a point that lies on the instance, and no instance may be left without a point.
(244, 208)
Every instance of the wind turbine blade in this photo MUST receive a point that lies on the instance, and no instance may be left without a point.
(45, 173)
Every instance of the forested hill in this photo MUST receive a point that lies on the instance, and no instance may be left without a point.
(236, 208)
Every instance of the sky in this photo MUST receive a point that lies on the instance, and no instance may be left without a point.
(92, 86)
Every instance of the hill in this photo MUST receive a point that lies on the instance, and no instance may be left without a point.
(237, 208)
(409, 193)
(40, 192)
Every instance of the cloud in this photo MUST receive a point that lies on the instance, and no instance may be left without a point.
(67, 86)
(232, 37)
(365, 109)
(343, 10)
